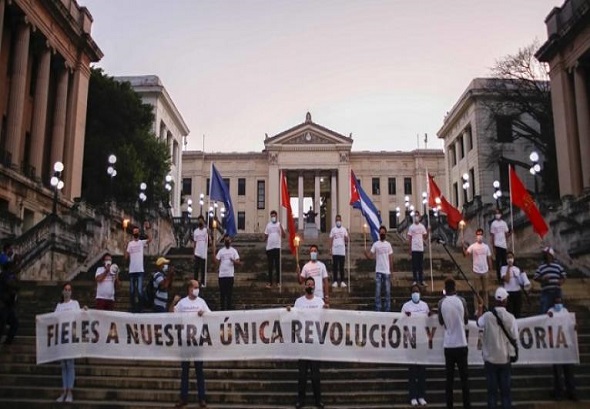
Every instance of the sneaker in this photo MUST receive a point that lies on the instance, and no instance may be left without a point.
(414, 283)
(181, 404)
(335, 284)
(69, 397)
(422, 402)
(343, 284)
(268, 285)
(414, 402)
(202, 404)
(61, 397)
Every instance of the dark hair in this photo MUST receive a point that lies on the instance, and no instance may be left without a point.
(382, 227)
(309, 278)
(107, 254)
(450, 285)
(226, 236)
(338, 216)
(273, 212)
(508, 253)
(314, 245)
(478, 231)
(415, 286)
(63, 287)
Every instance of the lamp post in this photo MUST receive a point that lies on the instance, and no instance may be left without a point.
(142, 197)
(497, 193)
(189, 208)
(465, 178)
(112, 172)
(56, 183)
(535, 169)
(397, 214)
(168, 187)
(201, 202)
(407, 206)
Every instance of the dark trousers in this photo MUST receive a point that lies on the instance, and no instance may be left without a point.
(338, 268)
(314, 368)
(498, 376)
(136, 291)
(8, 317)
(456, 356)
(500, 260)
(200, 270)
(273, 256)
(418, 266)
(548, 298)
(514, 305)
(200, 380)
(568, 378)
(226, 288)
(417, 381)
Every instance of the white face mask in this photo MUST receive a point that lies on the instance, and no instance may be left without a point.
(510, 261)
(313, 255)
(195, 292)
(108, 262)
(273, 219)
(498, 216)
(165, 268)
(338, 224)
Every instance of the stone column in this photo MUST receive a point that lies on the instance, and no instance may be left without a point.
(333, 200)
(59, 118)
(301, 218)
(583, 116)
(16, 102)
(38, 129)
(316, 200)
(2, 7)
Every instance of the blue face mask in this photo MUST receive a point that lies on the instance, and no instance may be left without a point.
(558, 307)
(313, 255)
(338, 224)
(416, 297)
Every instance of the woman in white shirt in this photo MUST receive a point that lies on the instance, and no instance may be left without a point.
(68, 372)
(514, 280)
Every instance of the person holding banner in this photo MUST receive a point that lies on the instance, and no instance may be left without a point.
(68, 370)
(201, 240)
(316, 270)
(273, 232)
(417, 233)
(192, 303)
(228, 258)
(551, 275)
(338, 241)
(382, 253)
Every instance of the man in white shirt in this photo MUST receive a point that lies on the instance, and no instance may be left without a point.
(382, 253)
(107, 278)
(134, 254)
(192, 303)
(497, 348)
(227, 257)
(453, 316)
(273, 232)
(482, 262)
(417, 233)
(564, 370)
(201, 242)
(338, 242)
(317, 270)
(500, 232)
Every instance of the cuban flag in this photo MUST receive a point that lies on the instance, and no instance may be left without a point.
(360, 200)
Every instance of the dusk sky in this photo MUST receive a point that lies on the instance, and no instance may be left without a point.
(384, 71)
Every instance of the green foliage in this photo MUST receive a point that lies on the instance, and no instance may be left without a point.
(119, 123)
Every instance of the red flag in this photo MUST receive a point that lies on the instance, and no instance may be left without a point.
(355, 197)
(286, 203)
(453, 215)
(522, 199)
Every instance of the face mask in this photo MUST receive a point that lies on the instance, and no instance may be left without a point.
(416, 297)
(165, 268)
(338, 224)
(313, 255)
(479, 238)
(510, 261)
(558, 307)
(195, 292)
(108, 262)
(273, 219)
(67, 294)
(382, 236)
(201, 225)
(309, 290)
(416, 220)
(136, 235)
(498, 216)
(226, 244)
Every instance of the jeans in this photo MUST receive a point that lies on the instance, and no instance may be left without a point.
(548, 298)
(381, 278)
(68, 373)
(418, 266)
(226, 287)
(456, 356)
(273, 257)
(500, 260)
(8, 316)
(417, 381)
(498, 375)
(135, 291)
(514, 305)
(338, 266)
(314, 368)
(200, 380)
(200, 270)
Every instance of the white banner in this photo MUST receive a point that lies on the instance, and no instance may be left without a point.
(323, 335)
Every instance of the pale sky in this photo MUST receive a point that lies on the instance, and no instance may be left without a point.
(384, 71)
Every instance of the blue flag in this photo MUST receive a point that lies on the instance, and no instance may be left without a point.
(219, 192)
(360, 200)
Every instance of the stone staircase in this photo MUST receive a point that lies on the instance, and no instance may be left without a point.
(102, 383)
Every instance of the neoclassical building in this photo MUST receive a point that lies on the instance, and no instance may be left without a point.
(317, 162)
(567, 51)
(168, 126)
(45, 53)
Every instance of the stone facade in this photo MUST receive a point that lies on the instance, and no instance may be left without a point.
(317, 162)
(45, 55)
(168, 126)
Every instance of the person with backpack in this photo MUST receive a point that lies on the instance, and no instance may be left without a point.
(159, 284)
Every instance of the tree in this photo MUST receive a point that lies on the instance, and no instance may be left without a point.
(521, 99)
(119, 123)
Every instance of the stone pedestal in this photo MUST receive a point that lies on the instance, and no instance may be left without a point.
(311, 231)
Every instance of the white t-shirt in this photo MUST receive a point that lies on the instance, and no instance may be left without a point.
(419, 308)
(496, 348)
(71, 305)
(188, 305)
(514, 283)
(226, 256)
(318, 271)
(416, 233)
(453, 310)
(303, 302)
(273, 232)
(382, 250)
(338, 234)
(480, 253)
(105, 289)
(499, 228)
(135, 250)
(201, 237)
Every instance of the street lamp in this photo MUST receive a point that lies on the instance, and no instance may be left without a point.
(465, 178)
(189, 208)
(497, 193)
(407, 205)
(112, 172)
(142, 195)
(397, 214)
(201, 202)
(535, 169)
(56, 183)
(168, 187)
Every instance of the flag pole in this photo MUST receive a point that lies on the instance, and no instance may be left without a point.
(209, 213)
(429, 231)
(511, 209)
(347, 243)
(281, 234)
